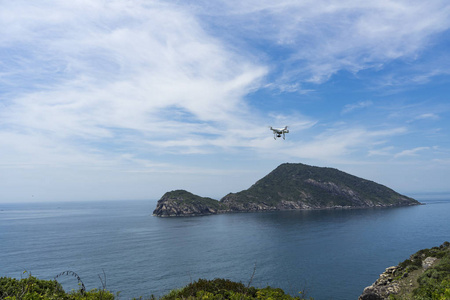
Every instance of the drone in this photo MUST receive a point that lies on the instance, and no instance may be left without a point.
(277, 132)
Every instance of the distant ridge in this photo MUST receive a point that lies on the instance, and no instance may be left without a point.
(289, 187)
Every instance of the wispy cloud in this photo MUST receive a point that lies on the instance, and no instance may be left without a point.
(411, 152)
(427, 116)
(385, 151)
(338, 143)
(319, 38)
(99, 75)
(351, 107)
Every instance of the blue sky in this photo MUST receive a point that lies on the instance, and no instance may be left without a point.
(109, 100)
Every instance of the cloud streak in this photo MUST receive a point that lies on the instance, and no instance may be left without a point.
(351, 107)
(316, 39)
(411, 152)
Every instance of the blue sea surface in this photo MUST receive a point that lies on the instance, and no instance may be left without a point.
(329, 254)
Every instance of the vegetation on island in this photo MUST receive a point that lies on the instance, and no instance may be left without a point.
(288, 187)
(183, 203)
(318, 187)
(183, 197)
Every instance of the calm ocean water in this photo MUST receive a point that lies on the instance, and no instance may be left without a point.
(330, 254)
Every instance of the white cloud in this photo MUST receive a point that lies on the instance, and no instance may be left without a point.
(337, 144)
(385, 151)
(102, 75)
(320, 38)
(351, 107)
(411, 152)
(427, 116)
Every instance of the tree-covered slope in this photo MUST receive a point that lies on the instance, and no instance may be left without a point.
(299, 186)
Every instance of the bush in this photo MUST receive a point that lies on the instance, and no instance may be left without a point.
(217, 287)
(31, 288)
(221, 289)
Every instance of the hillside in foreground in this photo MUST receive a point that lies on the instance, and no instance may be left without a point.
(288, 187)
(425, 275)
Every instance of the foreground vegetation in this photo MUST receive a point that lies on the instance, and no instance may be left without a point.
(219, 289)
(425, 283)
(31, 288)
(425, 275)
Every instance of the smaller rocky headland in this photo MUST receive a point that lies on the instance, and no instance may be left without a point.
(288, 187)
(181, 203)
(425, 275)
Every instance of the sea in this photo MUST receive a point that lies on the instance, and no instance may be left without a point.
(324, 254)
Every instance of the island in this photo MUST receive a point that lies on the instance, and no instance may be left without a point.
(291, 186)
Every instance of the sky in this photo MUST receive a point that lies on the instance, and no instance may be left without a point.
(129, 99)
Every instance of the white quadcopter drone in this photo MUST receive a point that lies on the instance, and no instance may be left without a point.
(277, 132)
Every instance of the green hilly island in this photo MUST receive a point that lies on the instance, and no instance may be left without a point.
(291, 186)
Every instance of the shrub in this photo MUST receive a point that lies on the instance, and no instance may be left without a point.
(31, 288)
(217, 286)
(221, 289)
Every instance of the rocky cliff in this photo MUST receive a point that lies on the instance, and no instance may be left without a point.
(181, 203)
(425, 275)
(289, 187)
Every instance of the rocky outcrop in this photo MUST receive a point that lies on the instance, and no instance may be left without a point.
(406, 278)
(288, 187)
(384, 286)
(181, 203)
